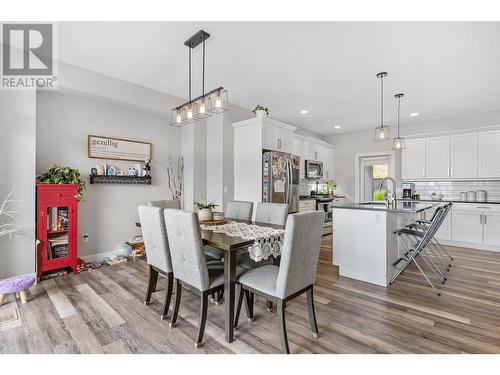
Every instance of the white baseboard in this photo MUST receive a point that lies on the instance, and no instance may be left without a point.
(469, 245)
(100, 256)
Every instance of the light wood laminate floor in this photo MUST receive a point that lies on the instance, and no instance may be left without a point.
(101, 311)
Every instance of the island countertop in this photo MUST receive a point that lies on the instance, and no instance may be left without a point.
(399, 207)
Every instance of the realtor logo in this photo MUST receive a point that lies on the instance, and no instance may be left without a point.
(27, 56)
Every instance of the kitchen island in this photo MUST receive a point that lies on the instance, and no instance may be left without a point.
(364, 243)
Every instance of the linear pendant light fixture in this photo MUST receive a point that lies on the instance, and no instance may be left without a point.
(382, 131)
(201, 107)
(398, 143)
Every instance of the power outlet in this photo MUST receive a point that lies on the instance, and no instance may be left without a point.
(85, 237)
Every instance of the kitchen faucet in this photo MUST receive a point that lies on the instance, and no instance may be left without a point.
(392, 199)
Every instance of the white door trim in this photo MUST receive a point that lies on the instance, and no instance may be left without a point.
(357, 157)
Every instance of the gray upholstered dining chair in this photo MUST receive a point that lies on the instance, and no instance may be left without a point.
(271, 213)
(171, 203)
(295, 275)
(158, 252)
(189, 263)
(235, 210)
(268, 213)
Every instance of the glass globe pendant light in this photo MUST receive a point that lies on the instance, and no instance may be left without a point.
(382, 131)
(398, 143)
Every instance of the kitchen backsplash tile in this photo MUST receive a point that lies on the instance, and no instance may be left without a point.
(452, 189)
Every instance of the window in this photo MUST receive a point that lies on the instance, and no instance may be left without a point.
(380, 171)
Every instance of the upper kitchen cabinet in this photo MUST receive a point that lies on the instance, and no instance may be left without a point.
(413, 159)
(488, 146)
(314, 150)
(437, 157)
(299, 146)
(328, 163)
(277, 136)
(464, 156)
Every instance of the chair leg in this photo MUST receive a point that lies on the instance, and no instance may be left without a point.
(249, 300)
(269, 306)
(280, 307)
(240, 292)
(153, 279)
(203, 320)
(311, 312)
(178, 289)
(1, 299)
(168, 295)
(24, 294)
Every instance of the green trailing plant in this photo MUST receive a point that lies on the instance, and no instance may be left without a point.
(63, 175)
(204, 206)
(261, 108)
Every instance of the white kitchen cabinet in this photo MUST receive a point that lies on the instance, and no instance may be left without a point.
(299, 146)
(313, 151)
(491, 223)
(329, 163)
(467, 226)
(276, 138)
(464, 156)
(413, 159)
(489, 154)
(299, 149)
(437, 157)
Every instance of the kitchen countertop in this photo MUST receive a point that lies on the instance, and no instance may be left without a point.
(401, 207)
(446, 201)
(321, 199)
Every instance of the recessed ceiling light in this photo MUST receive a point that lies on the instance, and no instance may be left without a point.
(304, 111)
(414, 114)
(337, 127)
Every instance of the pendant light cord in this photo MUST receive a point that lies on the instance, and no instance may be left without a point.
(203, 74)
(189, 74)
(399, 112)
(381, 100)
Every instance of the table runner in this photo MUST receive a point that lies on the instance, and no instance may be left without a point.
(267, 241)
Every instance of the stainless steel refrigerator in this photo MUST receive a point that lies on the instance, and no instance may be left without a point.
(280, 179)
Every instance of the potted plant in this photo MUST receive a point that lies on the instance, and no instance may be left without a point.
(260, 111)
(63, 175)
(205, 210)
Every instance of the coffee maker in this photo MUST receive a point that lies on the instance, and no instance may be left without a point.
(408, 190)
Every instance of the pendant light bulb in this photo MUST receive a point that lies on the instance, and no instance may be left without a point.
(189, 113)
(178, 117)
(203, 108)
(218, 100)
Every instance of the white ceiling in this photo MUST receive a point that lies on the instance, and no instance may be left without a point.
(445, 69)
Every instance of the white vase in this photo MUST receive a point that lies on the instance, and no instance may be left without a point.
(260, 114)
(205, 214)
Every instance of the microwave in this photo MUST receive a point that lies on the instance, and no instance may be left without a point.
(314, 169)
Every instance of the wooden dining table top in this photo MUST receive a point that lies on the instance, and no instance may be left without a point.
(225, 242)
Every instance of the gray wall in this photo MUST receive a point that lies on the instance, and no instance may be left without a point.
(17, 169)
(110, 211)
(347, 145)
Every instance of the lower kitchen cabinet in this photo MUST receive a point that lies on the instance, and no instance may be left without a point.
(467, 226)
(491, 224)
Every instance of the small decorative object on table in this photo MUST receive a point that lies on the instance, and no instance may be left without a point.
(205, 210)
(218, 216)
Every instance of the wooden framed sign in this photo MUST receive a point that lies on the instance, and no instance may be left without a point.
(118, 149)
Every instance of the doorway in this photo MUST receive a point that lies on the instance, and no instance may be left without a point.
(370, 170)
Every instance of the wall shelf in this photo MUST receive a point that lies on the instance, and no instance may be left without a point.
(133, 180)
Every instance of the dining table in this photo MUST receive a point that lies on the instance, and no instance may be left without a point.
(231, 245)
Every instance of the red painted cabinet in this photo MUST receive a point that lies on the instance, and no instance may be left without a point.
(56, 227)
